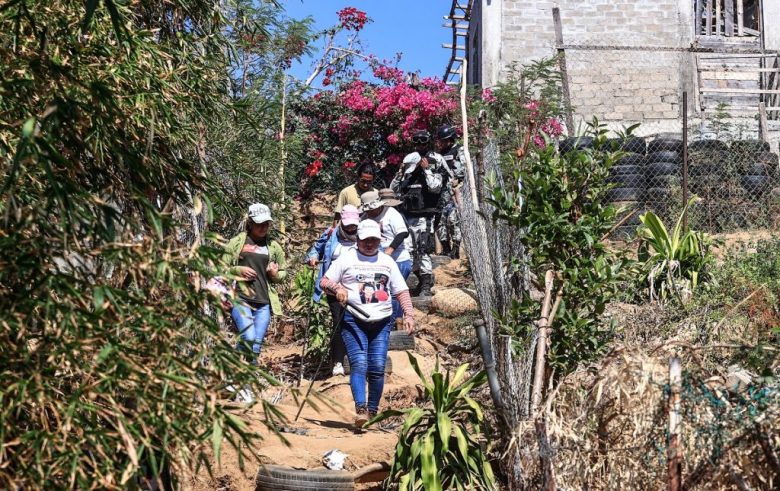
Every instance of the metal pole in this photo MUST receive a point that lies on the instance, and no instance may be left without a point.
(685, 159)
(490, 365)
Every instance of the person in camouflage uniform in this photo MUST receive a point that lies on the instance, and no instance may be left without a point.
(420, 183)
(448, 229)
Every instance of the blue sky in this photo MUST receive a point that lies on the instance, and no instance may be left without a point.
(412, 27)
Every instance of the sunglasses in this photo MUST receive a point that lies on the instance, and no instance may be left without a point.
(420, 139)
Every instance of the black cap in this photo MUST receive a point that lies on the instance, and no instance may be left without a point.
(446, 132)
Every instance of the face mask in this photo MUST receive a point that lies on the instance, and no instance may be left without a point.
(345, 236)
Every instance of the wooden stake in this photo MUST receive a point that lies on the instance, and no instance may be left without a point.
(283, 150)
(673, 454)
(465, 121)
(541, 344)
(564, 72)
(545, 455)
(685, 159)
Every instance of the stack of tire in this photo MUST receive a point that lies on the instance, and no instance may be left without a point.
(663, 172)
(710, 176)
(629, 180)
(758, 167)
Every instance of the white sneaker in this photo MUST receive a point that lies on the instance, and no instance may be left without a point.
(338, 369)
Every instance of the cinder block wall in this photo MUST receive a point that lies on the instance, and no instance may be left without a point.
(616, 85)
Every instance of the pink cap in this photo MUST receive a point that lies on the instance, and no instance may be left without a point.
(350, 215)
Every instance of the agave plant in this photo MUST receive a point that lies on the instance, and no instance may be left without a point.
(673, 263)
(440, 445)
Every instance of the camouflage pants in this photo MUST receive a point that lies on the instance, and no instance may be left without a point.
(421, 229)
(448, 231)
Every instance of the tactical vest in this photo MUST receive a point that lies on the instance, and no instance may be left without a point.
(417, 198)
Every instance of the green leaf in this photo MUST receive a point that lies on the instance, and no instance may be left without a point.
(429, 470)
(416, 367)
(412, 418)
(216, 438)
(463, 445)
(444, 424)
(97, 298)
(28, 128)
(90, 6)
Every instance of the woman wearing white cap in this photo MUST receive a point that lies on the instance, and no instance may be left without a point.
(331, 244)
(379, 206)
(258, 262)
(367, 279)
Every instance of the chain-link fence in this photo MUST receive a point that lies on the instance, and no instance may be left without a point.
(729, 156)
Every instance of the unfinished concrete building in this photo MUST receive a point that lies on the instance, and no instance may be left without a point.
(630, 61)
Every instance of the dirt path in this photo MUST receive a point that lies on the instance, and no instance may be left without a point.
(329, 426)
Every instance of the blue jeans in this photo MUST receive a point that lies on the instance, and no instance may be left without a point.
(252, 324)
(406, 268)
(367, 352)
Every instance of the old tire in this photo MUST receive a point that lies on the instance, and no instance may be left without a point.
(701, 170)
(631, 159)
(617, 170)
(627, 180)
(438, 261)
(749, 146)
(664, 156)
(578, 143)
(663, 181)
(657, 195)
(755, 184)
(279, 478)
(708, 146)
(400, 341)
(632, 145)
(665, 144)
(422, 303)
(759, 169)
(623, 194)
(388, 366)
(768, 158)
(662, 169)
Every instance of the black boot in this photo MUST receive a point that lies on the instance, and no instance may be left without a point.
(446, 250)
(455, 252)
(426, 282)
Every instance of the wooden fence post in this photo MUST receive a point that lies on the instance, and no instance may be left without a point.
(673, 454)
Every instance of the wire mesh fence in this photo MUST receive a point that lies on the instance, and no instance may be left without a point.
(730, 159)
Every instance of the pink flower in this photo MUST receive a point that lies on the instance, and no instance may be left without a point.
(326, 81)
(392, 139)
(349, 164)
(394, 159)
(488, 97)
(539, 141)
(352, 19)
(389, 74)
(552, 127)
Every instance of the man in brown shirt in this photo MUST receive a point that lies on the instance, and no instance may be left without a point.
(350, 195)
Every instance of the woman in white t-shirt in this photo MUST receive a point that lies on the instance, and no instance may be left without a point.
(378, 206)
(367, 280)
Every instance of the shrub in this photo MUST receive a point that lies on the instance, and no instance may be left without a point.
(440, 445)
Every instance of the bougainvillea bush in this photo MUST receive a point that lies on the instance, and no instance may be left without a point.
(361, 121)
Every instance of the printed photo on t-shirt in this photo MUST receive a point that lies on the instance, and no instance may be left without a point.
(373, 288)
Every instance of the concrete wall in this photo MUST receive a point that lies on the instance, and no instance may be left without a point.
(772, 24)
